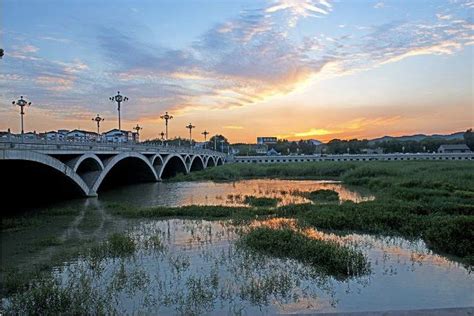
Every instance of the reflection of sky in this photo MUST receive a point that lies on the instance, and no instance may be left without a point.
(225, 193)
(293, 68)
(405, 275)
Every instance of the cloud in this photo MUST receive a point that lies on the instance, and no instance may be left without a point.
(350, 127)
(29, 49)
(379, 5)
(233, 127)
(300, 8)
(444, 16)
(316, 132)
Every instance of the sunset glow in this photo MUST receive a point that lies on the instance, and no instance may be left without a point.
(296, 69)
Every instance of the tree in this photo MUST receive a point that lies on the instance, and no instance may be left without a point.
(469, 139)
(219, 141)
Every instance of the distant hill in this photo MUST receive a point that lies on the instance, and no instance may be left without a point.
(419, 137)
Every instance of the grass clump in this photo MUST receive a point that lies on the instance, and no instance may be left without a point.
(48, 296)
(261, 201)
(332, 258)
(452, 235)
(117, 245)
(323, 196)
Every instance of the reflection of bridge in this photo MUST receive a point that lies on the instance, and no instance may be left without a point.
(83, 168)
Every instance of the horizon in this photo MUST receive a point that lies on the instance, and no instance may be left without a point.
(300, 69)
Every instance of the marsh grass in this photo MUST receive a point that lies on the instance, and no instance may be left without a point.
(414, 199)
(328, 256)
(191, 211)
(261, 201)
(319, 196)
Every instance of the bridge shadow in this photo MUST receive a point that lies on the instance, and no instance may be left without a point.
(175, 165)
(127, 171)
(27, 184)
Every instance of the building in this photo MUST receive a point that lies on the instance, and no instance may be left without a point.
(30, 135)
(120, 136)
(273, 152)
(260, 149)
(314, 142)
(81, 136)
(451, 149)
(266, 140)
(53, 135)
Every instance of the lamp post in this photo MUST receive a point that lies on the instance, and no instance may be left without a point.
(162, 134)
(21, 103)
(119, 99)
(138, 129)
(190, 127)
(98, 119)
(166, 117)
(205, 133)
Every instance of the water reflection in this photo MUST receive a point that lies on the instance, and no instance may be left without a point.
(194, 266)
(227, 193)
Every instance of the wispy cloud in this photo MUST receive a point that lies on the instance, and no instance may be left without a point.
(300, 8)
(233, 127)
(379, 5)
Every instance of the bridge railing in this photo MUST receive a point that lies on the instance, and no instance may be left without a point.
(355, 157)
(56, 145)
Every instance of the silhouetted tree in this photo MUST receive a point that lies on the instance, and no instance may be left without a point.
(469, 139)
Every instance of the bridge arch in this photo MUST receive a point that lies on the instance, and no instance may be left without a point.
(157, 163)
(87, 160)
(196, 164)
(219, 161)
(88, 166)
(173, 165)
(126, 167)
(210, 162)
(26, 172)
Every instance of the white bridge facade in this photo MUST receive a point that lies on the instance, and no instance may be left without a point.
(85, 167)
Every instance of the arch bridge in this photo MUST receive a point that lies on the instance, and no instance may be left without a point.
(86, 168)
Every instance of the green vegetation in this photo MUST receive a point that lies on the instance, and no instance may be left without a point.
(304, 170)
(321, 196)
(261, 201)
(415, 199)
(329, 256)
(117, 245)
(191, 211)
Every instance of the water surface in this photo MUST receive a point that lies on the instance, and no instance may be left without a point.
(227, 193)
(197, 266)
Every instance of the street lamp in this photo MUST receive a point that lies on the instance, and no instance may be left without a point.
(205, 133)
(98, 119)
(162, 134)
(166, 117)
(21, 103)
(190, 127)
(138, 129)
(119, 99)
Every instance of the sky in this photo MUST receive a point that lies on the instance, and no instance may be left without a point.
(295, 69)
